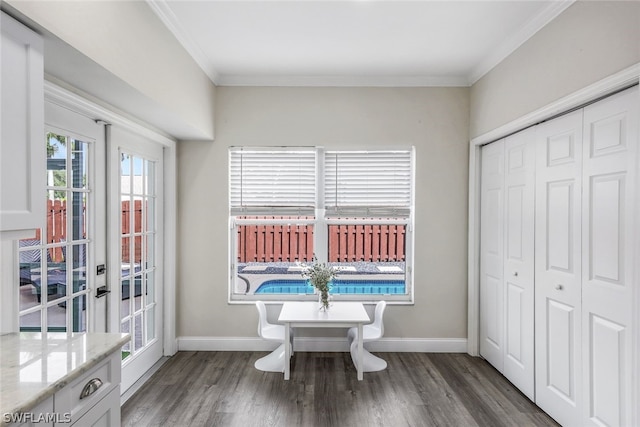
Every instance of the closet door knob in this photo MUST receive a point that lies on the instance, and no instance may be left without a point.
(515, 274)
(559, 287)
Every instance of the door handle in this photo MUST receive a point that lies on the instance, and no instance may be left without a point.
(102, 291)
(91, 387)
(559, 287)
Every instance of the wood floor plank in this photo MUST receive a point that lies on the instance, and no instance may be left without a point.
(416, 389)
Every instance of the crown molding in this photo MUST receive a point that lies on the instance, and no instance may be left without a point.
(509, 45)
(341, 81)
(169, 19)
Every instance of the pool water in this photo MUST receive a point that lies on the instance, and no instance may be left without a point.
(358, 287)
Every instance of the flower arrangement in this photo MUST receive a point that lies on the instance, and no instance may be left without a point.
(320, 275)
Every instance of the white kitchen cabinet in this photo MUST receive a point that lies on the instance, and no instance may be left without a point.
(40, 416)
(95, 395)
(106, 413)
(22, 145)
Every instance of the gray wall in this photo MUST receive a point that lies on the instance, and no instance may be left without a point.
(126, 40)
(589, 41)
(435, 120)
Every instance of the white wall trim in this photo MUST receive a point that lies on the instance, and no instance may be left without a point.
(81, 105)
(635, 388)
(342, 81)
(594, 91)
(610, 84)
(170, 244)
(169, 19)
(324, 344)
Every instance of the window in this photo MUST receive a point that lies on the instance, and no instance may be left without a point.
(352, 209)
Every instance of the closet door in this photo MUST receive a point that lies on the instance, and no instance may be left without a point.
(608, 224)
(492, 255)
(518, 274)
(558, 267)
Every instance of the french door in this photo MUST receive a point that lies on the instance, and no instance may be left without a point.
(136, 246)
(58, 276)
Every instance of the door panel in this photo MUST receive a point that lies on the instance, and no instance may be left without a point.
(136, 236)
(57, 264)
(609, 175)
(558, 267)
(561, 225)
(519, 260)
(606, 373)
(561, 350)
(492, 255)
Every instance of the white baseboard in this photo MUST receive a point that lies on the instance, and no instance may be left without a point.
(413, 345)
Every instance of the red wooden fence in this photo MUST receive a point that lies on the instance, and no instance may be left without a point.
(347, 243)
(126, 229)
(258, 243)
(57, 228)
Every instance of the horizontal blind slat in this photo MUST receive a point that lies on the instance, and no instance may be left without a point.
(368, 183)
(264, 181)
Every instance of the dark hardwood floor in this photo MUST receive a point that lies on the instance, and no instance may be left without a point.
(416, 389)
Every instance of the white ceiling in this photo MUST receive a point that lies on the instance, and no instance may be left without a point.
(352, 43)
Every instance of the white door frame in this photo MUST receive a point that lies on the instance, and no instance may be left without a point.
(620, 80)
(64, 97)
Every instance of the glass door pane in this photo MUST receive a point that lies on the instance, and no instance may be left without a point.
(54, 284)
(137, 249)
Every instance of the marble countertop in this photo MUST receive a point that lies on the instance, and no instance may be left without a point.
(34, 365)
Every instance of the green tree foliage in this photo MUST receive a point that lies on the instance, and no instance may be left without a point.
(59, 176)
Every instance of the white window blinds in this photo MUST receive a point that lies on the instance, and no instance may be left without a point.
(368, 183)
(272, 181)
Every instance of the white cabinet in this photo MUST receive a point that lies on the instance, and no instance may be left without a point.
(22, 145)
(95, 395)
(104, 414)
(41, 416)
(93, 399)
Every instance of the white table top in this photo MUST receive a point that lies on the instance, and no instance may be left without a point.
(309, 312)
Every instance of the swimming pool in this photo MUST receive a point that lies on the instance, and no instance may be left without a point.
(299, 286)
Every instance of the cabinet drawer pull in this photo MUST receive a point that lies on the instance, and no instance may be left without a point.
(91, 387)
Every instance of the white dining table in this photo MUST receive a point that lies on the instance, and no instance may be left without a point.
(298, 314)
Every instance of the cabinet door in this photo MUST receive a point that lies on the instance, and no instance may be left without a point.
(608, 228)
(518, 274)
(558, 267)
(40, 416)
(105, 413)
(492, 255)
(22, 149)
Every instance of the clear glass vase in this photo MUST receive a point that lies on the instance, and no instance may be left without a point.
(324, 300)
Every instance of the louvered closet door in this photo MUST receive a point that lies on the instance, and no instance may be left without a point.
(492, 255)
(608, 224)
(519, 260)
(558, 267)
